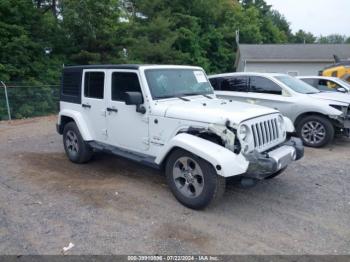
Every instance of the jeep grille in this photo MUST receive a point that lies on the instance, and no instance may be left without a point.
(265, 132)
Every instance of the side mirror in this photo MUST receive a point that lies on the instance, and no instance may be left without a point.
(342, 90)
(135, 98)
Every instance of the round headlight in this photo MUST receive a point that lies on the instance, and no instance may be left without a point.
(243, 132)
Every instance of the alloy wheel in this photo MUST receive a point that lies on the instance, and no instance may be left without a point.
(188, 177)
(313, 132)
(72, 142)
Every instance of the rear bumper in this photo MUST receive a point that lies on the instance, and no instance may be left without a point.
(262, 165)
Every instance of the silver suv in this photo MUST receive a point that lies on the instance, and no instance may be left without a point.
(316, 115)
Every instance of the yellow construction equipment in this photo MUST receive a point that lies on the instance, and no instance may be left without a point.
(340, 69)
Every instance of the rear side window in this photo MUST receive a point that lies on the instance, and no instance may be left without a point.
(122, 83)
(71, 85)
(94, 84)
(236, 84)
(263, 85)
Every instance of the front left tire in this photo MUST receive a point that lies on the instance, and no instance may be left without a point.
(77, 150)
(193, 181)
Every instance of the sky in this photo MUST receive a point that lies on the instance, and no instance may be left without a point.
(320, 17)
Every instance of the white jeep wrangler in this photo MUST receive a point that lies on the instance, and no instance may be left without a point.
(168, 117)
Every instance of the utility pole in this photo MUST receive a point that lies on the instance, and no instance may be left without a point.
(237, 37)
(7, 100)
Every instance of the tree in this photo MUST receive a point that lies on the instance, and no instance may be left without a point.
(25, 44)
(302, 37)
(332, 39)
(91, 30)
(282, 24)
(37, 37)
(184, 32)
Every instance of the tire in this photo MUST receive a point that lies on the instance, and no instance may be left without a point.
(315, 131)
(193, 181)
(77, 150)
(276, 174)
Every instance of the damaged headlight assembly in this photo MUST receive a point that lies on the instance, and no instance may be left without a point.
(243, 132)
(343, 109)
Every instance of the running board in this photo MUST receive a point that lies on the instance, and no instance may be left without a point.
(134, 156)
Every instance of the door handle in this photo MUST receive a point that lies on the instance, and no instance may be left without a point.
(86, 106)
(112, 110)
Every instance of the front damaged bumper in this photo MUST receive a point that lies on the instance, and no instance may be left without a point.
(263, 165)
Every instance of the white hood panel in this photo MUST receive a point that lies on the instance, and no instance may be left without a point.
(211, 111)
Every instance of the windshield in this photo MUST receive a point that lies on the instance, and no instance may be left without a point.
(297, 85)
(168, 83)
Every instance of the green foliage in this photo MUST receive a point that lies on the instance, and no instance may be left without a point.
(302, 37)
(333, 39)
(37, 37)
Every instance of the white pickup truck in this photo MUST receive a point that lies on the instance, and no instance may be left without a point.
(168, 117)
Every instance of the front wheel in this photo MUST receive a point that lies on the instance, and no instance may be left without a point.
(315, 131)
(193, 181)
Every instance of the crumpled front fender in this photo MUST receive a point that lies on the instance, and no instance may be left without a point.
(226, 163)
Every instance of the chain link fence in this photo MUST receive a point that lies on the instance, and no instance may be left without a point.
(27, 99)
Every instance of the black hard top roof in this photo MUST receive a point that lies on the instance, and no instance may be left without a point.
(126, 66)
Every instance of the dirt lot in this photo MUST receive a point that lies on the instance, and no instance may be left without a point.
(114, 206)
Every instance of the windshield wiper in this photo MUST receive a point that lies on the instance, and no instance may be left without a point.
(184, 99)
(207, 96)
(179, 97)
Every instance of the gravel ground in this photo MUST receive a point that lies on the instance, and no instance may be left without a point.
(114, 206)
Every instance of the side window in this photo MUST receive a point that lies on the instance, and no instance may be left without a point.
(326, 85)
(260, 84)
(236, 84)
(94, 84)
(122, 83)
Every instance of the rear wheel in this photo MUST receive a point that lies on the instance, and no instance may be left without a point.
(315, 131)
(77, 150)
(193, 181)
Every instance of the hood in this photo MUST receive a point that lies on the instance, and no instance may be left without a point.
(211, 110)
(332, 97)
